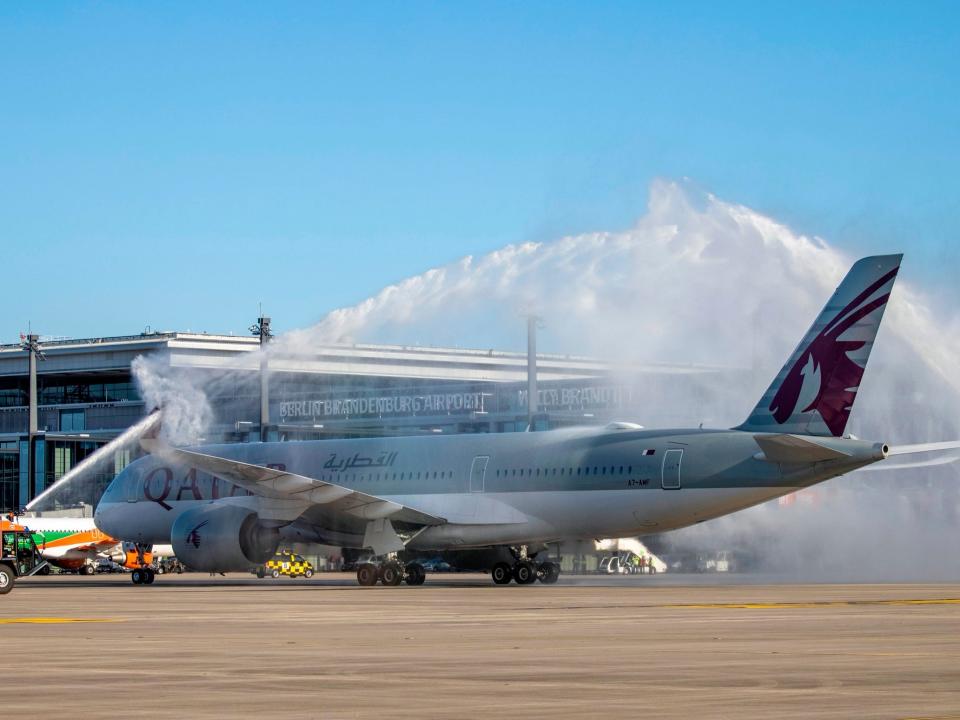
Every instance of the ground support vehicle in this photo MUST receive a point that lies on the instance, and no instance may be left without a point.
(169, 565)
(284, 563)
(19, 556)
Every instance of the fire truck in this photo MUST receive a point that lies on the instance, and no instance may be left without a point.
(19, 556)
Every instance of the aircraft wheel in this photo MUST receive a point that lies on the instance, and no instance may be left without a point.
(502, 573)
(137, 577)
(525, 572)
(308, 573)
(7, 579)
(391, 573)
(275, 574)
(548, 573)
(261, 573)
(367, 574)
(415, 574)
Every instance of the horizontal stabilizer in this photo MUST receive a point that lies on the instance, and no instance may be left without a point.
(794, 449)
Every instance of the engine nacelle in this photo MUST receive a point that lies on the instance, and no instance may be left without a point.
(222, 538)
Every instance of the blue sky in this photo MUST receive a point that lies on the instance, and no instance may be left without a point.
(175, 165)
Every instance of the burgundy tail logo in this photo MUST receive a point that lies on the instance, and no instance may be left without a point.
(828, 357)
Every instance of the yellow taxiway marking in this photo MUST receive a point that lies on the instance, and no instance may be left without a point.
(52, 620)
(824, 603)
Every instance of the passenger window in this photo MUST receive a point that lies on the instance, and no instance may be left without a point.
(630, 469)
(401, 476)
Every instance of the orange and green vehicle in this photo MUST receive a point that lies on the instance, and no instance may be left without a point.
(19, 555)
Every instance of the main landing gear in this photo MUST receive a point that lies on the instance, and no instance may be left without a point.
(391, 572)
(525, 571)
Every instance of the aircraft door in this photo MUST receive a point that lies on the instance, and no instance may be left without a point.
(670, 477)
(478, 471)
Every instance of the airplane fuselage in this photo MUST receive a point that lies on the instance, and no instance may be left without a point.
(492, 489)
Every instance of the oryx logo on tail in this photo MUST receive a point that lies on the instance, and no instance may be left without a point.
(814, 392)
(829, 358)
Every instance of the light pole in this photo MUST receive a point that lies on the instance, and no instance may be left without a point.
(31, 343)
(262, 329)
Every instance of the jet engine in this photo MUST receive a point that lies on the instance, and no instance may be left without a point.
(222, 538)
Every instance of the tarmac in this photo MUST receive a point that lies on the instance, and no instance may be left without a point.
(460, 647)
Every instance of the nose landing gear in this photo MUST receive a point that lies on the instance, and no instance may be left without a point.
(143, 576)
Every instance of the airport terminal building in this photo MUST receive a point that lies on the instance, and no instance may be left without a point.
(86, 395)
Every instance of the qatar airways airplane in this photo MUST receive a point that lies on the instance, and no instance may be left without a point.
(226, 507)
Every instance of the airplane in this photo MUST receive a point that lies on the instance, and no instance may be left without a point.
(227, 507)
(77, 544)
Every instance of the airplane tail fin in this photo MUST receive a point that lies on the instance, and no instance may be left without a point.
(814, 392)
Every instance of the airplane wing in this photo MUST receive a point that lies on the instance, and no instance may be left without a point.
(281, 485)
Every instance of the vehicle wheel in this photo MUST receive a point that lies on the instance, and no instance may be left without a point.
(367, 574)
(525, 572)
(415, 574)
(160, 570)
(88, 570)
(275, 574)
(7, 579)
(391, 574)
(502, 573)
(308, 573)
(548, 573)
(261, 573)
(179, 570)
(137, 577)
(148, 576)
